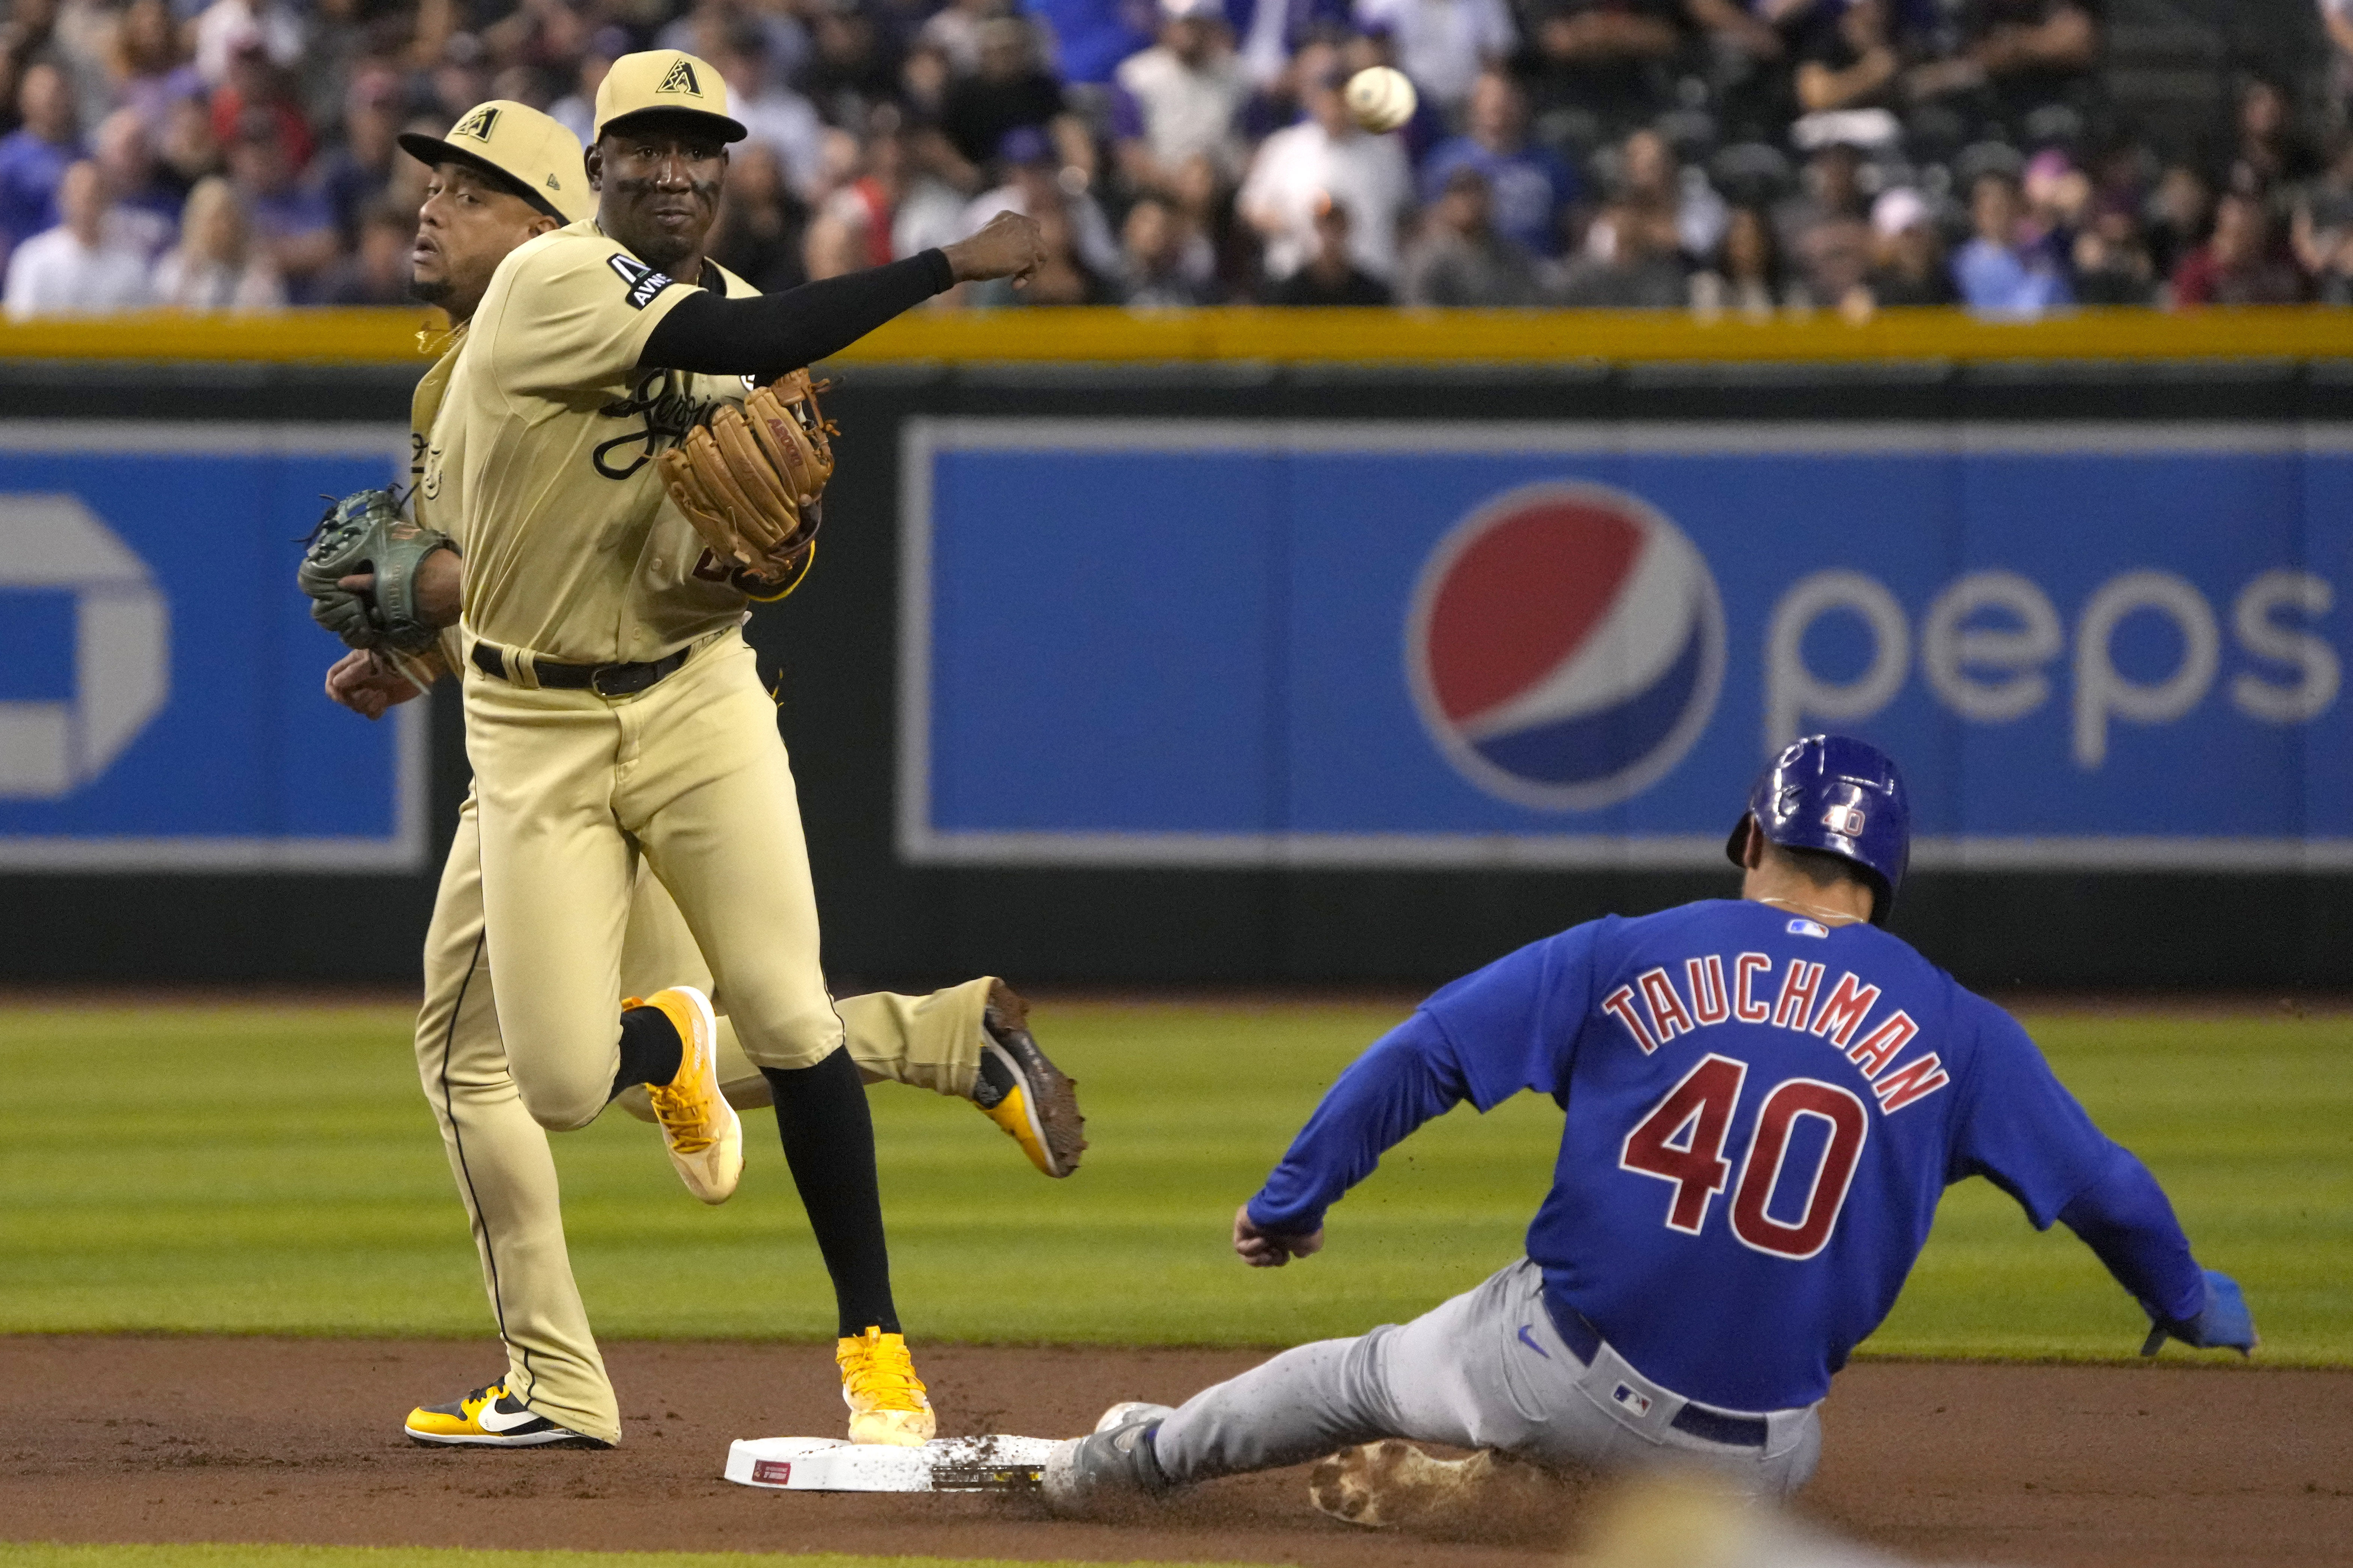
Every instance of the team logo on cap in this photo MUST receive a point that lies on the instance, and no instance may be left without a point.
(1565, 645)
(681, 78)
(479, 124)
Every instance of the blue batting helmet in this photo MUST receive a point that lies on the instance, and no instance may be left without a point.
(1843, 797)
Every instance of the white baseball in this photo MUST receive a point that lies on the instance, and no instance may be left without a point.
(1379, 99)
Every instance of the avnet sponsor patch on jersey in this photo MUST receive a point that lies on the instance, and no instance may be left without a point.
(644, 282)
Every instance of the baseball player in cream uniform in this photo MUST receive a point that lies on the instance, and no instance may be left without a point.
(506, 174)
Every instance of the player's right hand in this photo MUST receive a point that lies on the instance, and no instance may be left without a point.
(1011, 246)
(2224, 1324)
(1269, 1249)
(366, 685)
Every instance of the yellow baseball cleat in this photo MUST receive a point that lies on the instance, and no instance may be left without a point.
(701, 1131)
(491, 1417)
(885, 1398)
(1023, 1092)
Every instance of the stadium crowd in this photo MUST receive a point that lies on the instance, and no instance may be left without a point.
(1744, 156)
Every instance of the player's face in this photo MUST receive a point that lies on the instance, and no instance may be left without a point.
(464, 230)
(658, 186)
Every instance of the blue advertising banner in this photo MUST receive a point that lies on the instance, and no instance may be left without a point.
(1326, 644)
(160, 702)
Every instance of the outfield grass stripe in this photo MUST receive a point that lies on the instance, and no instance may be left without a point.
(212, 1554)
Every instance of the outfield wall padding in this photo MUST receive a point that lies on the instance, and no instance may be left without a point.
(1195, 813)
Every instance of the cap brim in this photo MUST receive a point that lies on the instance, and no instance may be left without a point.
(433, 152)
(729, 129)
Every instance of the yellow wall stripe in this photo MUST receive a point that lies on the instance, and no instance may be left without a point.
(1357, 336)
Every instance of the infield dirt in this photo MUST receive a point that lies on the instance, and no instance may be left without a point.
(138, 1438)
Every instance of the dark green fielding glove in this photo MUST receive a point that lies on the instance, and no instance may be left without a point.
(364, 533)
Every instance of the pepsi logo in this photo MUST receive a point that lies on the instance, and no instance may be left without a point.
(1565, 645)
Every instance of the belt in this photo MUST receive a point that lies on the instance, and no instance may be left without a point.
(1584, 1342)
(603, 679)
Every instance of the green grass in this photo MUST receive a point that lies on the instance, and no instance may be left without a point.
(275, 1170)
(43, 1554)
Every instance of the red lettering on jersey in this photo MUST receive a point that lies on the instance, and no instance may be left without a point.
(1706, 977)
(1840, 1014)
(1879, 1047)
(1621, 1005)
(1920, 1077)
(1667, 1013)
(1744, 1006)
(1797, 998)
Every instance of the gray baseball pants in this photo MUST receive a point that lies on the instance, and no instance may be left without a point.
(1486, 1370)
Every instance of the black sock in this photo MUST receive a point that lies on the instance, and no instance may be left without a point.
(828, 1135)
(651, 1048)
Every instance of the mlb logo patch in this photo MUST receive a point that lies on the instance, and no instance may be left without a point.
(1804, 927)
(1640, 1404)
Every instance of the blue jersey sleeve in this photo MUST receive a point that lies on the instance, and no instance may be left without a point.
(2018, 1126)
(2125, 1219)
(1511, 1026)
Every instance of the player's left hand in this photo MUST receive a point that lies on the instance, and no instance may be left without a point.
(438, 583)
(1270, 1250)
(2224, 1324)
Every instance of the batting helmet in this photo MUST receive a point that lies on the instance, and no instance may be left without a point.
(1840, 795)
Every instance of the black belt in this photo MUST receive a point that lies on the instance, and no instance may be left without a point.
(1584, 1342)
(603, 679)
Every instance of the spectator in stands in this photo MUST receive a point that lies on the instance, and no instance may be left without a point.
(1329, 275)
(1846, 57)
(2017, 57)
(1010, 90)
(2322, 214)
(2239, 265)
(2111, 263)
(1630, 263)
(34, 157)
(1746, 276)
(1325, 161)
(1907, 259)
(186, 150)
(82, 265)
(1460, 259)
(1181, 100)
(1443, 45)
(1530, 187)
(832, 250)
(376, 271)
(1602, 65)
(148, 69)
(217, 266)
(762, 226)
(1035, 186)
(2336, 20)
(1164, 262)
(1998, 272)
(257, 88)
(353, 173)
(1090, 36)
(2181, 215)
(853, 65)
(955, 31)
(1825, 230)
(576, 109)
(2270, 155)
(1651, 179)
(1063, 278)
(775, 115)
(146, 212)
(291, 222)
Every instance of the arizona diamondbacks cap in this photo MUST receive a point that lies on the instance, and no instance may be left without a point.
(532, 154)
(664, 82)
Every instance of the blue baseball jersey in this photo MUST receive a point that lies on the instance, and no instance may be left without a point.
(1762, 1111)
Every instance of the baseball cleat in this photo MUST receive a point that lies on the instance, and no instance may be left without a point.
(885, 1398)
(1023, 1092)
(491, 1417)
(1391, 1482)
(1116, 1463)
(700, 1129)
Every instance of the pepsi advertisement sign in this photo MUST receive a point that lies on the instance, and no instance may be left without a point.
(1388, 645)
(160, 675)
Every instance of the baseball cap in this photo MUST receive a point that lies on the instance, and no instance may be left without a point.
(534, 155)
(664, 82)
